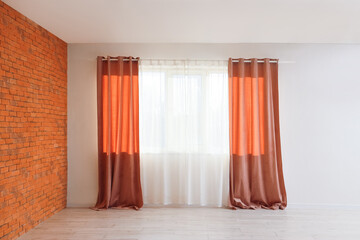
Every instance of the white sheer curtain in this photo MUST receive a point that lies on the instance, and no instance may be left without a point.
(184, 132)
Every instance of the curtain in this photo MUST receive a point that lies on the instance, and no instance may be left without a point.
(256, 177)
(184, 132)
(118, 133)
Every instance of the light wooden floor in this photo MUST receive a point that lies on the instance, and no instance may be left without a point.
(200, 223)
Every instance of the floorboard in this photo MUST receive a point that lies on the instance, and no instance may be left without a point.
(200, 223)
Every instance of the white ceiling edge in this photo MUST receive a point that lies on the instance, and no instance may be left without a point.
(196, 21)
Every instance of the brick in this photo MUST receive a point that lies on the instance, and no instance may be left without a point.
(33, 92)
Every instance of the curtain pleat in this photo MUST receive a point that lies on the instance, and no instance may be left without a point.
(256, 176)
(118, 134)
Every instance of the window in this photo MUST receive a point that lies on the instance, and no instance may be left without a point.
(184, 132)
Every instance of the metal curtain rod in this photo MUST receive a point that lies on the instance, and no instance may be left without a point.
(259, 60)
(124, 59)
(233, 60)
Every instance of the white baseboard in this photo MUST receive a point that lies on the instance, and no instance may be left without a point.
(80, 205)
(289, 206)
(321, 206)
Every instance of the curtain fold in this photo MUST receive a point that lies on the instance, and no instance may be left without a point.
(256, 176)
(184, 132)
(118, 133)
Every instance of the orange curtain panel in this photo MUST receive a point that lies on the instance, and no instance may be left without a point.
(118, 133)
(256, 175)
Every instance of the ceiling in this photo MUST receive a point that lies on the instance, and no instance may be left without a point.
(197, 21)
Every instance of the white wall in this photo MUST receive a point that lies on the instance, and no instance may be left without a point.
(319, 88)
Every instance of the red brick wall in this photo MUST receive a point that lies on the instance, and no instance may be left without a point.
(33, 112)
